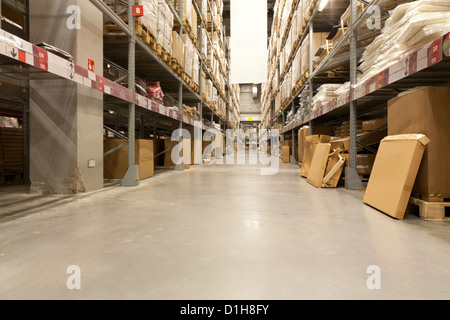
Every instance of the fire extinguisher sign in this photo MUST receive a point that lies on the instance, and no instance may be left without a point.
(91, 65)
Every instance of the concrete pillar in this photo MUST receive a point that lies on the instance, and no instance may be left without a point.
(66, 119)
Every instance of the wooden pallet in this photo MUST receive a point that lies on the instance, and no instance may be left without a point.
(432, 211)
(111, 28)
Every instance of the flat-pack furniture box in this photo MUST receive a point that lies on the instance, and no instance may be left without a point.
(319, 164)
(310, 147)
(116, 164)
(302, 134)
(426, 111)
(394, 172)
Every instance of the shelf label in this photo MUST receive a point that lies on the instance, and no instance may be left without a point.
(101, 84)
(138, 11)
(435, 52)
(413, 63)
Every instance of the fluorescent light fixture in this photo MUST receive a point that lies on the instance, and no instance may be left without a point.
(322, 4)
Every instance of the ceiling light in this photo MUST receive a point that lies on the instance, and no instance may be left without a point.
(322, 4)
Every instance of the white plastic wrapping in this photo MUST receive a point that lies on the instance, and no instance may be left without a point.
(326, 93)
(150, 18)
(410, 27)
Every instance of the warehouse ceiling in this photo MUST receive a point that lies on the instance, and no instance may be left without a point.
(227, 15)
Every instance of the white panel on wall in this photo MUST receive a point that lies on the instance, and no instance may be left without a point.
(248, 41)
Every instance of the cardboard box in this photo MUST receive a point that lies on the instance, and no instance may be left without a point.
(116, 164)
(310, 147)
(394, 173)
(426, 111)
(168, 155)
(302, 134)
(335, 163)
(337, 144)
(186, 155)
(196, 147)
(286, 154)
(319, 164)
(364, 163)
(369, 141)
(373, 124)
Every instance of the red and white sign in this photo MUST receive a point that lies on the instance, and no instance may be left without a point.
(138, 11)
(91, 65)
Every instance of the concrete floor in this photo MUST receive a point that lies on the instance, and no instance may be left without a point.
(222, 232)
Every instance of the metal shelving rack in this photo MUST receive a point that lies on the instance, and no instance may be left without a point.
(429, 65)
(151, 64)
(22, 61)
(16, 103)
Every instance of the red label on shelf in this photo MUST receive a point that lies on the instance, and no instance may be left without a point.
(22, 56)
(413, 63)
(138, 11)
(380, 80)
(435, 52)
(43, 64)
(42, 54)
(101, 84)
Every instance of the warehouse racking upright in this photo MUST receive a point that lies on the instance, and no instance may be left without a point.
(339, 63)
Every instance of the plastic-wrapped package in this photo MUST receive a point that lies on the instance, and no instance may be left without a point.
(188, 54)
(296, 67)
(150, 18)
(326, 93)
(410, 27)
(195, 69)
(8, 122)
(288, 84)
(299, 14)
(154, 90)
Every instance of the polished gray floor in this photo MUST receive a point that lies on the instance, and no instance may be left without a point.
(223, 232)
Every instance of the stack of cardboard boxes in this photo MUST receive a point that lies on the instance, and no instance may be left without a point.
(328, 135)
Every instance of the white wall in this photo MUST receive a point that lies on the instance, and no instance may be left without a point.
(248, 41)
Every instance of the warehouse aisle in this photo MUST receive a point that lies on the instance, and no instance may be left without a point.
(223, 233)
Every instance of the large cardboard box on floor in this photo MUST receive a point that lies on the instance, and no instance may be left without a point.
(186, 155)
(319, 164)
(426, 111)
(394, 173)
(116, 164)
(310, 147)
